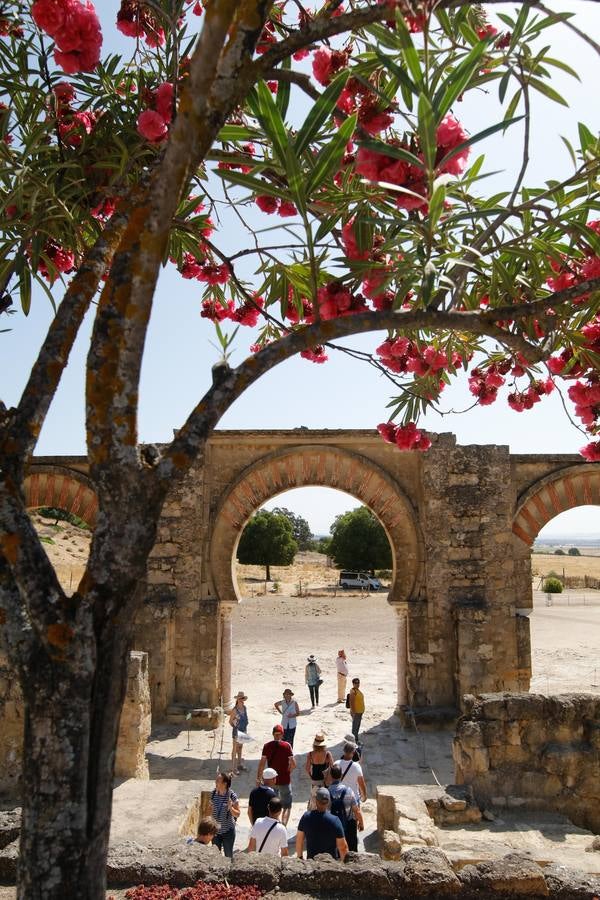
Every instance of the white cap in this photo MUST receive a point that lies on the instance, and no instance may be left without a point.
(269, 773)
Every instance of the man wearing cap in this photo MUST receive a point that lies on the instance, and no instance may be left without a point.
(322, 831)
(278, 754)
(341, 664)
(258, 801)
(289, 710)
(357, 707)
(352, 773)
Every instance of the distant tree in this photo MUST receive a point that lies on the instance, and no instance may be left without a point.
(324, 546)
(267, 540)
(574, 551)
(300, 528)
(559, 552)
(359, 541)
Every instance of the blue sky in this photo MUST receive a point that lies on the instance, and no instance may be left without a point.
(342, 393)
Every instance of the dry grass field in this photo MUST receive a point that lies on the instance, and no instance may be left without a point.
(543, 563)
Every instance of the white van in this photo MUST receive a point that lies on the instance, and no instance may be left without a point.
(359, 580)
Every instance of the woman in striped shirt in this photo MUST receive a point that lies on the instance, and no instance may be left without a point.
(225, 809)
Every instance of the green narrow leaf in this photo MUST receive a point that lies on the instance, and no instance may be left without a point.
(253, 184)
(519, 26)
(320, 112)
(436, 205)
(586, 137)
(512, 106)
(326, 227)
(458, 79)
(394, 152)
(406, 84)
(547, 91)
(569, 147)
(270, 118)
(329, 158)
(295, 178)
(426, 129)
(503, 86)
(236, 133)
(25, 290)
(282, 98)
(409, 52)
(480, 136)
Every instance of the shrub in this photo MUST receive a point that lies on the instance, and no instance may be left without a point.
(574, 551)
(553, 586)
(559, 552)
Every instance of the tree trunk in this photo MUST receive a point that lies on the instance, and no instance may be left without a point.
(71, 728)
(268, 575)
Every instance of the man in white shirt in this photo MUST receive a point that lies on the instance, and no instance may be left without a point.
(352, 773)
(342, 674)
(268, 835)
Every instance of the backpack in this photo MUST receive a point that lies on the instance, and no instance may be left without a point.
(347, 701)
(338, 807)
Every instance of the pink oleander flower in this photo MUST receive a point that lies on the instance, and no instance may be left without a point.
(164, 100)
(213, 274)
(152, 126)
(315, 354)
(327, 63)
(287, 208)
(267, 203)
(75, 29)
(450, 134)
(591, 452)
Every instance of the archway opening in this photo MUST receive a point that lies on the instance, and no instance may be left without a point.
(565, 565)
(304, 609)
(62, 505)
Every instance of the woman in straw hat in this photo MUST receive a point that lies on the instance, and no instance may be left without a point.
(318, 762)
(238, 719)
(289, 709)
(312, 677)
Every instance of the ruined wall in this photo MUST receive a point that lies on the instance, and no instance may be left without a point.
(532, 750)
(464, 633)
(461, 520)
(136, 721)
(133, 732)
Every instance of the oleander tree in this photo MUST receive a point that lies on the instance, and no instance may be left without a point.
(110, 170)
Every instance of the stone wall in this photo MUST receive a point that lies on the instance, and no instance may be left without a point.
(534, 751)
(461, 521)
(133, 733)
(136, 720)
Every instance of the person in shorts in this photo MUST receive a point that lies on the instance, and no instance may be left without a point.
(279, 755)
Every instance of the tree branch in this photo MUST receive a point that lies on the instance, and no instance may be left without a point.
(213, 89)
(22, 430)
(201, 421)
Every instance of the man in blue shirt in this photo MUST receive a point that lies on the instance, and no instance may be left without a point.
(323, 832)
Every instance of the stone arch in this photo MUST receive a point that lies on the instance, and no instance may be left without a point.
(62, 488)
(554, 494)
(327, 466)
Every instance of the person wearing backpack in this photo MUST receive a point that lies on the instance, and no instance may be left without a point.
(345, 807)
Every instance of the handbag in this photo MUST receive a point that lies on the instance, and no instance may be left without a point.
(319, 682)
